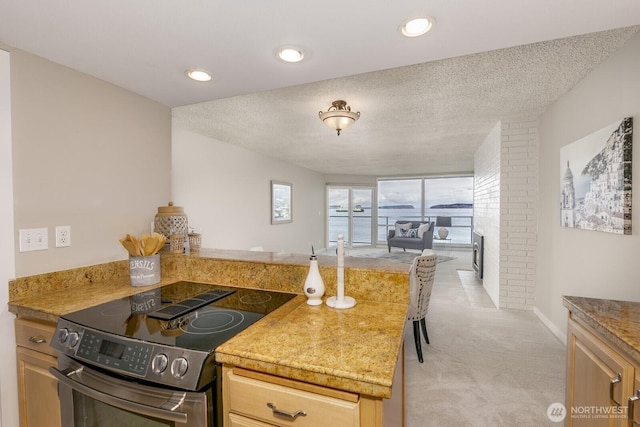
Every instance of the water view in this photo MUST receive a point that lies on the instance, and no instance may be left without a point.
(403, 199)
(459, 232)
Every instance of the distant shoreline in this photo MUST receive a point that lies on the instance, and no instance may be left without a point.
(453, 206)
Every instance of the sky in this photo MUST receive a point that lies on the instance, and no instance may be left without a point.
(438, 191)
(409, 192)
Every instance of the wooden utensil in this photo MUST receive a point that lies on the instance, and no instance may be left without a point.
(136, 244)
(147, 245)
(128, 245)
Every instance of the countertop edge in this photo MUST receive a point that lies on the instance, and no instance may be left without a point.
(307, 376)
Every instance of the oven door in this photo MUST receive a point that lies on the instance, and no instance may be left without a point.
(89, 398)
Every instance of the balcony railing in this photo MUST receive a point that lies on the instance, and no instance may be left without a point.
(460, 231)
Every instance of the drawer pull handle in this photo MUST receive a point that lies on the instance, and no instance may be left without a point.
(630, 406)
(289, 415)
(37, 340)
(612, 385)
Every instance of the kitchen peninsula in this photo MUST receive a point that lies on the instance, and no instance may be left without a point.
(350, 360)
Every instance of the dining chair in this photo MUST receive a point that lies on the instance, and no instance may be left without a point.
(421, 277)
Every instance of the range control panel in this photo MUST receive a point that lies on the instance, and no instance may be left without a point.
(130, 357)
(153, 362)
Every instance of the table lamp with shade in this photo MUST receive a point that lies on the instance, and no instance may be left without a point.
(443, 222)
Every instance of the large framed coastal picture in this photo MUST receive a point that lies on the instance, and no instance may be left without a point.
(595, 183)
(281, 202)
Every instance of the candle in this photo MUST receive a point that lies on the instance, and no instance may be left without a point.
(340, 283)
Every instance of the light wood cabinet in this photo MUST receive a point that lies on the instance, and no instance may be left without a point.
(37, 388)
(274, 401)
(633, 404)
(239, 421)
(600, 379)
(246, 395)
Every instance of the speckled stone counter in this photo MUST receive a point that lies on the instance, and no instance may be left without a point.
(354, 349)
(47, 296)
(617, 321)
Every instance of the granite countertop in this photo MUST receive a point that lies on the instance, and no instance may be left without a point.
(49, 306)
(353, 349)
(617, 321)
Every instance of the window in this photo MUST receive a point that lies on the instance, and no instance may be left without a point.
(424, 199)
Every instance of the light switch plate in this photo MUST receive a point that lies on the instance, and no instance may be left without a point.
(34, 239)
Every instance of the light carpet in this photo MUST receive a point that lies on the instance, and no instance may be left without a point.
(484, 366)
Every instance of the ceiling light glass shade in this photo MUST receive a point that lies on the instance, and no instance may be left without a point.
(199, 75)
(290, 54)
(415, 27)
(339, 116)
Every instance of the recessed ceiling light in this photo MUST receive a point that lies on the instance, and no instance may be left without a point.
(290, 54)
(199, 75)
(415, 27)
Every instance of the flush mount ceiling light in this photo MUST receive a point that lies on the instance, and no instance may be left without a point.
(339, 116)
(198, 75)
(415, 27)
(290, 54)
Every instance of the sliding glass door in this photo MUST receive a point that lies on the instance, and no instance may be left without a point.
(350, 213)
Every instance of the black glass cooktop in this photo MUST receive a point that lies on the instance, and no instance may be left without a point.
(183, 314)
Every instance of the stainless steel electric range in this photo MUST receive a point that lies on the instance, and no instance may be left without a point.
(148, 359)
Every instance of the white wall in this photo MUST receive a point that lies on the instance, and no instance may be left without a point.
(8, 375)
(225, 191)
(351, 180)
(86, 154)
(79, 152)
(580, 262)
(486, 209)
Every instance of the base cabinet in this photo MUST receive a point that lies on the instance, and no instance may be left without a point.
(37, 388)
(240, 421)
(253, 399)
(600, 380)
(634, 403)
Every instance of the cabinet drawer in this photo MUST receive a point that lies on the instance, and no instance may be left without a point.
(240, 421)
(249, 397)
(35, 335)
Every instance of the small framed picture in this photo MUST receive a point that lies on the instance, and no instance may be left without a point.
(281, 202)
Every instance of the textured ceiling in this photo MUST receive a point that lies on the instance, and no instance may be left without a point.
(425, 118)
(426, 102)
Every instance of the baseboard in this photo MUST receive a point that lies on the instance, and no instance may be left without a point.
(551, 326)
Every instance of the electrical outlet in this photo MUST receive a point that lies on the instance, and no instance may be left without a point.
(63, 236)
(33, 239)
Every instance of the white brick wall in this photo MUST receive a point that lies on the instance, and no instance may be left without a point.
(505, 197)
(518, 213)
(486, 208)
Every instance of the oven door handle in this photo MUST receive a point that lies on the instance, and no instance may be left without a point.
(127, 405)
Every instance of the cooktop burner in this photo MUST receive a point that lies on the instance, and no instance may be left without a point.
(183, 314)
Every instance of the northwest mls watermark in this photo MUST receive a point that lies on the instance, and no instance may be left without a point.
(557, 412)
